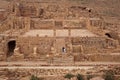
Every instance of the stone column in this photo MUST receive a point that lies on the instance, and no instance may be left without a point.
(69, 32)
(37, 13)
(37, 9)
(88, 24)
(35, 50)
(17, 11)
(54, 34)
(81, 47)
(27, 23)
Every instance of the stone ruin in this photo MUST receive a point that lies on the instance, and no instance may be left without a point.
(60, 32)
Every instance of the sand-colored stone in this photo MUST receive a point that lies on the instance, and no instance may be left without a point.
(72, 30)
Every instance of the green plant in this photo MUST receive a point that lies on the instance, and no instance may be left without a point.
(109, 75)
(34, 78)
(69, 76)
(89, 77)
(80, 77)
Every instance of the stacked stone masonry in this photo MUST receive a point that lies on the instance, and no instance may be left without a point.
(50, 30)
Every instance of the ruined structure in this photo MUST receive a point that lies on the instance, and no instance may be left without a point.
(56, 32)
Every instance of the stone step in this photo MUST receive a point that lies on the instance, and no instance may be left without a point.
(36, 59)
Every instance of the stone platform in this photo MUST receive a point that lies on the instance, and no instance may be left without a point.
(45, 64)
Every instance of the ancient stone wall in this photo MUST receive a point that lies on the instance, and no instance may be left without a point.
(101, 24)
(3, 14)
(14, 23)
(97, 23)
(37, 23)
(62, 28)
(27, 10)
(27, 44)
(78, 45)
(55, 10)
(43, 45)
(18, 23)
(92, 44)
(78, 24)
(105, 57)
(4, 26)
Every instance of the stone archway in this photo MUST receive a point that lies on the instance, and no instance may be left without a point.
(11, 46)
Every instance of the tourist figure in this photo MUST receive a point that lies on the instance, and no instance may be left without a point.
(63, 49)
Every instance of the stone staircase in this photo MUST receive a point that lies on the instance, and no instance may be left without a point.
(41, 58)
(36, 58)
(63, 60)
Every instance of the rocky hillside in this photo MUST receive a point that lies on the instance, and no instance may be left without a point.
(108, 9)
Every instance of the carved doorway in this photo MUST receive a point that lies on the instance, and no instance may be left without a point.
(11, 46)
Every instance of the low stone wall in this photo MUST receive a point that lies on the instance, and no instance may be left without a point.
(54, 73)
(97, 57)
(48, 74)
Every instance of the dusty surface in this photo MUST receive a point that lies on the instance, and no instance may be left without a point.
(52, 38)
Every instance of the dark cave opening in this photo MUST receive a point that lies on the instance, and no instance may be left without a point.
(108, 35)
(11, 47)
